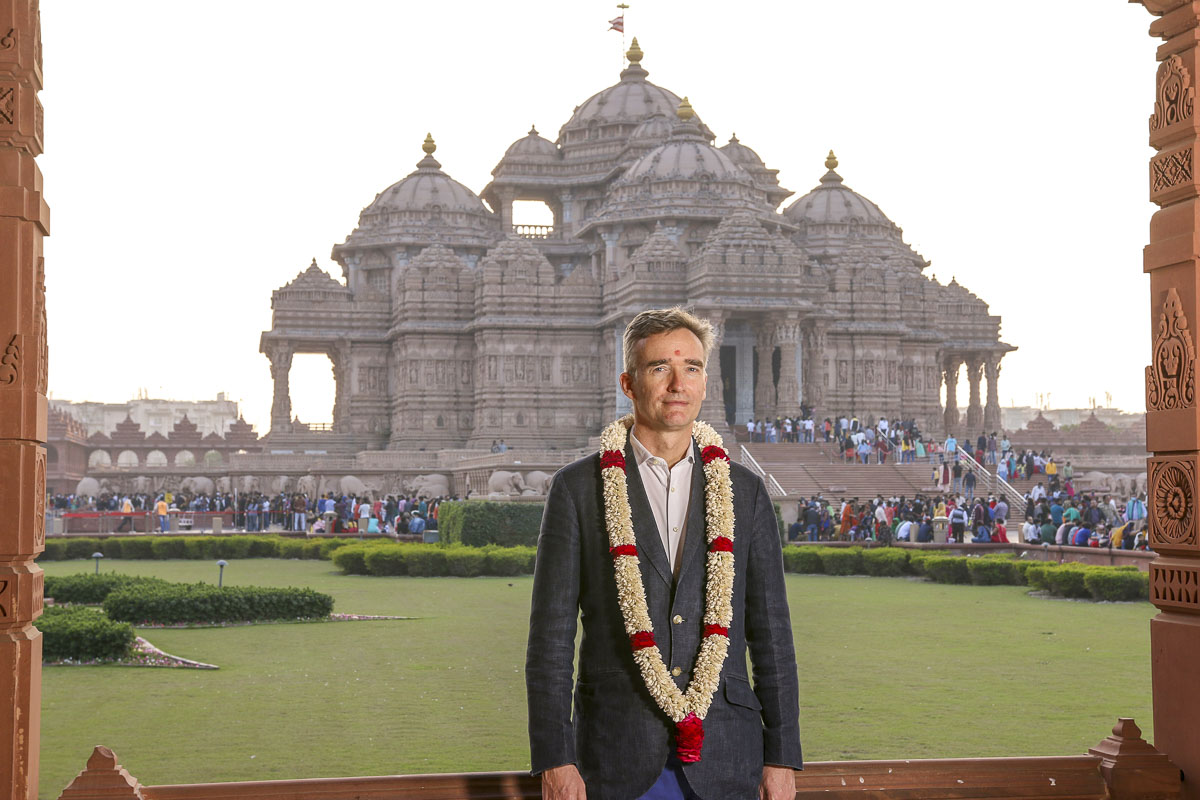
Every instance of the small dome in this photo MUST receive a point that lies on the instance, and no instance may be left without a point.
(834, 203)
(740, 154)
(427, 189)
(655, 128)
(686, 155)
(532, 146)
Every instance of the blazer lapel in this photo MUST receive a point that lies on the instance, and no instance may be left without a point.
(695, 534)
(645, 529)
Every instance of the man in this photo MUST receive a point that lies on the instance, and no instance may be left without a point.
(622, 743)
(161, 509)
(969, 484)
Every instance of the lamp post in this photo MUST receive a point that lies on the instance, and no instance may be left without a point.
(97, 556)
(220, 572)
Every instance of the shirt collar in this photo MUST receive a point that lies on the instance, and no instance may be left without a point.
(642, 455)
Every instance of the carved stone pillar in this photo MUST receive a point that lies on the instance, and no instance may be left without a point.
(507, 197)
(813, 390)
(991, 411)
(787, 337)
(950, 376)
(280, 356)
(1172, 260)
(340, 356)
(713, 409)
(24, 221)
(974, 409)
(764, 385)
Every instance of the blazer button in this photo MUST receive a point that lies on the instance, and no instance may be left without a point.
(677, 619)
(676, 671)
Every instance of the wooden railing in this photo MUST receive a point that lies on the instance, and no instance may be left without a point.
(1121, 767)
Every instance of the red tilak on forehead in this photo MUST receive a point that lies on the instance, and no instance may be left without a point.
(676, 352)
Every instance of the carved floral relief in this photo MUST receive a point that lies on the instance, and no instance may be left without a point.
(1173, 501)
(1170, 378)
(1175, 96)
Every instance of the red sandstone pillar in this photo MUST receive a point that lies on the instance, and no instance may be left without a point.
(24, 220)
(1172, 260)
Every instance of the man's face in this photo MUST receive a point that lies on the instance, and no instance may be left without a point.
(670, 382)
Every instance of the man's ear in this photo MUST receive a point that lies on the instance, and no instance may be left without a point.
(627, 385)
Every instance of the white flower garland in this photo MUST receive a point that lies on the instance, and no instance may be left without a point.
(631, 594)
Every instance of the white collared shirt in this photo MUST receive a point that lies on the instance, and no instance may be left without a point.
(668, 489)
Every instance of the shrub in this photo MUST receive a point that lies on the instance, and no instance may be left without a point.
(482, 522)
(56, 550)
(200, 547)
(390, 560)
(327, 546)
(1038, 575)
(994, 572)
(169, 547)
(84, 588)
(352, 560)
(426, 561)
(805, 560)
(83, 634)
(1107, 583)
(232, 547)
(947, 569)
(1022, 566)
(842, 561)
(887, 562)
(291, 548)
(135, 547)
(465, 562)
(313, 550)
(203, 602)
(509, 561)
(1067, 581)
(83, 548)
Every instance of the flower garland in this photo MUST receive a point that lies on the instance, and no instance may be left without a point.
(686, 709)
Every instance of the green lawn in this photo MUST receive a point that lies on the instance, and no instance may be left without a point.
(889, 668)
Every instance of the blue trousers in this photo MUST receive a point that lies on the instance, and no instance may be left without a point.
(671, 784)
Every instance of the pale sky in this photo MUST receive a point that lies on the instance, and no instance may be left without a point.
(199, 155)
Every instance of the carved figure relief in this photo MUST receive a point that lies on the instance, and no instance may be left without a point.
(1175, 97)
(869, 372)
(1173, 501)
(10, 361)
(891, 373)
(39, 498)
(372, 380)
(1175, 586)
(547, 363)
(43, 350)
(1170, 378)
(1171, 170)
(843, 370)
(909, 380)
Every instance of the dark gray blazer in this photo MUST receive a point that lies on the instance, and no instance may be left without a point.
(619, 738)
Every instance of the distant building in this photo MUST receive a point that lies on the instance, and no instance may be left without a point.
(153, 415)
(1017, 417)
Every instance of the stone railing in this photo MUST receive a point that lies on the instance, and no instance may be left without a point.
(1122, 767)
(535, 231)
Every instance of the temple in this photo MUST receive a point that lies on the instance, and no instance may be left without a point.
(453, 321)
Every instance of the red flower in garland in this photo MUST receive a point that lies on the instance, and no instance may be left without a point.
(612, 458)
(712, 453)
(641, 640)
(721, 544)
(719, 630)
(623, 550)
(689, 738)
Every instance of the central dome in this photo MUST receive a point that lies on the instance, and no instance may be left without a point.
(627, 103)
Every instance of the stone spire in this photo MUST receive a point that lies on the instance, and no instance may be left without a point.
(635, 71)
(831, 177)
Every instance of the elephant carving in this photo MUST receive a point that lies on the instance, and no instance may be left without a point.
(1121, 484)
(352, 486)
(433, 485)
(197, 485)
(87, 487)
(249, 484)
(538, 482)
(308, 485)
(281, 484)
(502, 482)
(224, 485)
(142, 485)
(1096, 481)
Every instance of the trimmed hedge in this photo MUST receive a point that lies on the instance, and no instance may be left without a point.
(85, 588)
(885, 562)
(843, 561)
(421, 560)
(482, 522)
(948, 569)
(805, 560)
(202, 602)
(1117, 584)
(83, 634)
(157, 546)
(994, 572)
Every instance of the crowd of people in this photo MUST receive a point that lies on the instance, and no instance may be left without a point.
(1052, 518)
(257, 511)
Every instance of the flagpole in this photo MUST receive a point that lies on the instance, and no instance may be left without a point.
(622, 7)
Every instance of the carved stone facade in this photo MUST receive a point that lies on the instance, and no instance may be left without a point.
(455, 328)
